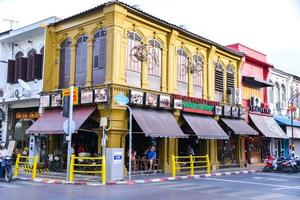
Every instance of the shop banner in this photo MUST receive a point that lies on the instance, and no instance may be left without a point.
(66, 92)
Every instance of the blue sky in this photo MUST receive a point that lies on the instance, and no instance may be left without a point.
(270, 26)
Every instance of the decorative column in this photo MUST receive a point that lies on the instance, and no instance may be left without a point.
(56, 69)
(224, 71)
(89, 75)
(172, 73)
(145, 71)
(164, 70)
(209, 89)
(73, 63)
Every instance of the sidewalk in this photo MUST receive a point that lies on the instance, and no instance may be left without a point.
(60, 178)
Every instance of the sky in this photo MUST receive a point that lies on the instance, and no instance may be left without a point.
(269, 26)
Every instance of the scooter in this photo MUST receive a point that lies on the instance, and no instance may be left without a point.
(271, 164)
(289, 166)
(6, 169)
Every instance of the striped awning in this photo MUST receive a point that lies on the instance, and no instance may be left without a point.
(51, 122)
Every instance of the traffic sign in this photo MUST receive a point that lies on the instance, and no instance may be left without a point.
(121, 99)
(66, 126)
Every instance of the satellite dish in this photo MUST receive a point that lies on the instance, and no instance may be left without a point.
(24, 85)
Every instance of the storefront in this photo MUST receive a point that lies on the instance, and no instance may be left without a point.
(259, 147)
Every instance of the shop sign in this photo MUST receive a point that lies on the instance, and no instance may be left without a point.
(101, 95)
(151, 99)
(44, 101)
(121, 99)
(66, 93)
(257, 106)
(164, 101)
(27, 115)
(56, 99)
(218, 110)
(259, 109)
(235, 112)
(136, 97)
(195, 105)
(227, 111)
(86, 96)
(242, 112)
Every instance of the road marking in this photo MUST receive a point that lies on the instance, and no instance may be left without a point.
(240, 193)
(271, 179)
(278, 175)
(268, 196)
(251, 183)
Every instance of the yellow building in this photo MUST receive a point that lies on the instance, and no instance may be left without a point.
(115, 48)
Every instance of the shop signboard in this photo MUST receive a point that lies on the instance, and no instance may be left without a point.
(121, 99)
(164, 101)
(100, 95)
(66, 93)
(195, 105)
(242, 112)
(257, 106)
(235, 112)
(56, 99)
(151, 99)
(136, 97)
(44, 101)
(86, 96)
(227, 111)
(218, 110)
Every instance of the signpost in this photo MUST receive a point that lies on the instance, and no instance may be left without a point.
(71, 125)
(122, 100)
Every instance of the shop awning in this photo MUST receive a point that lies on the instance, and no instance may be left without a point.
(239, 126)
(51, 122)
(283, 120)
(205, 127)
(255, 82)
(157, 123)
(268, 126)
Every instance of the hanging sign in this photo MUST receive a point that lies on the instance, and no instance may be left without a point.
(66, 92)
(101, 95)
(136, 97)
(151, 99)
(164, 101)
(56, 99)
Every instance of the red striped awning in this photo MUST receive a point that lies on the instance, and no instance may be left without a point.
(51, 122)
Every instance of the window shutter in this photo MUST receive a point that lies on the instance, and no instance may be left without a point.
(96, 53)
(17, 70)
(11, 71)
(23, 74)
(102, 52)
(37, 66)
(30, 68)
(230, 82)
(219, 81)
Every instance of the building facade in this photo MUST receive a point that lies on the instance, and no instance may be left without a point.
(182, 87)
(255, 83)
(21, 55)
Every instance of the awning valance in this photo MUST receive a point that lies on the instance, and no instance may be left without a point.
(51, 122)
(157, 123)
(255, 82)
(205, 127)
(268, 126)
(239, 126)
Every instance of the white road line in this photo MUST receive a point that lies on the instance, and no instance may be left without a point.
(268, 196)
(251, 183)
(271, 179)
(278, 175)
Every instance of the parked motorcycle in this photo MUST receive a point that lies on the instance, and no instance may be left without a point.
(6, 169)
(271, 164)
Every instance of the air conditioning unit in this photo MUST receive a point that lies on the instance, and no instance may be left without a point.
(236, 96)
(255, 101)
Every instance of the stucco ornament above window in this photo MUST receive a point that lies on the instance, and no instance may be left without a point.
(140, 53)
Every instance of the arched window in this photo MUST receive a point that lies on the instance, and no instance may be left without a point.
(135, 51)
(277, 93)
(182, 72)
(197, 70)
(271, 94)
(154, 64)
(30, 65)
(81, 61)
(64, 66)
(20, 67)
(283, 93)
(219, 85)
(99, 56)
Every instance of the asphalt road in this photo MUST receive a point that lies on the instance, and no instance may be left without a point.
(260, 186)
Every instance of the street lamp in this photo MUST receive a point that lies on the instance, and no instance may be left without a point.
(292, 109)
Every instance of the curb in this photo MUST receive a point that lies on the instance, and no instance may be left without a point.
(133, 182)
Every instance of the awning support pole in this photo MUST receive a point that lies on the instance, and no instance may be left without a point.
(70, 132)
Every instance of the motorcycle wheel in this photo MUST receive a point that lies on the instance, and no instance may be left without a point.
(8, 175)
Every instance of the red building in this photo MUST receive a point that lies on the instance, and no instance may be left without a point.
(255, 80)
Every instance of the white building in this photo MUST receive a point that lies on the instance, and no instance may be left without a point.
(21, 72)
(285, 85)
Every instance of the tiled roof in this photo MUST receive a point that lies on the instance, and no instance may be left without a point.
(158, 20)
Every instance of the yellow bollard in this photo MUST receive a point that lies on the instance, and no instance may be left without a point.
(207, 165)
(192, 165)
(35, 162)
(17, 165)
(71, 176)
(173, 166)
(103, 176)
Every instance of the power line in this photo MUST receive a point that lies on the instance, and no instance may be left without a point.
(11, 21)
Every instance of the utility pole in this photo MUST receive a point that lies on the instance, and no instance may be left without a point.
(11, 21)
(70, 132)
